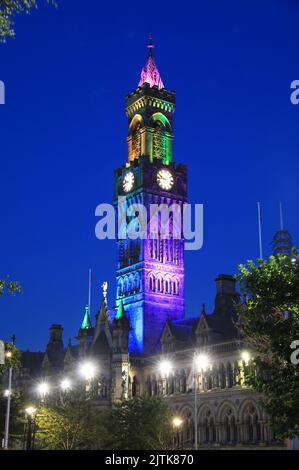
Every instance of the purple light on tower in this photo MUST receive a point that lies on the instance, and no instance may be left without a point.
(150, 73)
(150, 272)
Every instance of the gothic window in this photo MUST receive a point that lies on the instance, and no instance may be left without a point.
(137, 282)
(126, 286)
(159, 142)
(229, 427)
(209, 380)
(151, 248)
(215, 377)
(136, 143)
(229, 375)
(208, 427)
(252, 425)
(170, 385)
(171, 249)
(154, 386)
(222, 383)
(183, 381)
(120, 288)
(166, 287)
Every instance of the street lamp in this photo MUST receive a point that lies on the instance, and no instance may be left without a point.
(246, 357)
(87, 370)
(43, 389)
(200, 363)
(165, 368)
(8, 355)
(177, 423)
(65, 385)
(29, 428)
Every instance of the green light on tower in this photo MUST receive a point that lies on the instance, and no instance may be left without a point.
(86, 322)
(120, 311)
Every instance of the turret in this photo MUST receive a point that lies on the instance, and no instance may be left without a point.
(226, 294)
(85, 333)
(54, 351)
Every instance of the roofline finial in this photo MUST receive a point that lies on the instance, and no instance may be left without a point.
(150, 44)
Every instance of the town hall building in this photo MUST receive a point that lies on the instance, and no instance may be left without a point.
(147, 344)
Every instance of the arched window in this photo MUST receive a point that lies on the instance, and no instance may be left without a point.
(252, 425)
(229, 426)
(183, 381)
(208, 427)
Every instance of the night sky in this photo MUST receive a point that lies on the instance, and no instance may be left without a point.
(63, 131)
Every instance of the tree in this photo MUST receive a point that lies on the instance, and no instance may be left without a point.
(14, 360)
(9, 9)
(141, 423)
(269, 321)
(70, 423)
(12, 287)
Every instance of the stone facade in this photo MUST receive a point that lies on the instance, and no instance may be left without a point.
(151, 326)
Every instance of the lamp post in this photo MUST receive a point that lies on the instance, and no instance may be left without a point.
(29, 434)
(177, 422)
(65, 385)
(43, 390)
(8, 395)
(88, 370)
(165, 368)
(200, 362)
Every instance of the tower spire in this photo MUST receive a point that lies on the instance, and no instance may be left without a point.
(150, 45)
(150, 73)
(282, 242)
(86, 323)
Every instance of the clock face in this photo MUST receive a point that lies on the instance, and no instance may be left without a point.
(165, 179)
(128, 181)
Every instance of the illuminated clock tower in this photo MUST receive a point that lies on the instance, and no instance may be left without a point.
(150, 271)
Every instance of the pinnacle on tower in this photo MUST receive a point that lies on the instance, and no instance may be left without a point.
(282, 241)
(121, 311)
(86, 323)
(150, 73)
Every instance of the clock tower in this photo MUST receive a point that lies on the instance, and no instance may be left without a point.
(150, 270)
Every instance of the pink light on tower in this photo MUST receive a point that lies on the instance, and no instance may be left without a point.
(150, 73)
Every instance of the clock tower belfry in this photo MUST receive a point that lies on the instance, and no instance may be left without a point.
(150, 271)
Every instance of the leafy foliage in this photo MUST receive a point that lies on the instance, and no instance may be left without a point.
(269, 321)
(11, 287)
(72, 422)
(14, 361)
(142, 423)
(9, 9)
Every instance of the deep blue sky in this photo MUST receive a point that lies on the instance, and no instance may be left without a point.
(63, 131)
